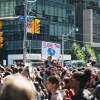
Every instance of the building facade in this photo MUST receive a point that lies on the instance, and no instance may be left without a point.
(57, 18)
(84, 5)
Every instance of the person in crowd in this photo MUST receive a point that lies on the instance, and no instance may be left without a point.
(65, 73)
(97, 92)
(98, 75)
(25, 72)
(1, 83)
(42, 72)
(94, 66)
(7, 73)
(18, 88)
(15, 70)
(92, 83)
(70, 92)
(1, 69)
(9, 70)
(78, 82)
(58, 66)
(20, 70)
(52, 85)
(49, 61)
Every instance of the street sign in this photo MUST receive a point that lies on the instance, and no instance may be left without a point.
(29, 19)
(0, 24)
(22, 18)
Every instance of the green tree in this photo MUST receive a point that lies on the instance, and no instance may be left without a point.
(77, 53)
(89, 52)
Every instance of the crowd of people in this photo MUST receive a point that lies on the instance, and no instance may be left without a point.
(50, 82)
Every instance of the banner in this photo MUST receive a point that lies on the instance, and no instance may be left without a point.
(29, 27)
(50, 49)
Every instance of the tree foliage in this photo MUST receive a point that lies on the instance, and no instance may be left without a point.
(89, 52)
(77, 53)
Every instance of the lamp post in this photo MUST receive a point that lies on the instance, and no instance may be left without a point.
(25, 29)
(25, 33)
(63, 43)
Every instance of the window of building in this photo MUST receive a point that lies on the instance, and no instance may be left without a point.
(55, 18)
(7, 8)
(19, 10)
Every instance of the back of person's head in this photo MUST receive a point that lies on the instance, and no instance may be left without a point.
(20, 70)
(37, 86)
(63, 73)
(74, 70)
(7, 73)
(18, 88)
(9, 69)
(66, 80)
(83, 77)
(54, 80)
(97, 92)
(93, 62)
(15, 70)
(2, 69)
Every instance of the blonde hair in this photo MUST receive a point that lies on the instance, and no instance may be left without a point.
(93, 75)
(18, 88)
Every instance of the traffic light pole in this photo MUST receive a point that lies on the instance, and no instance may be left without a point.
(25, 33)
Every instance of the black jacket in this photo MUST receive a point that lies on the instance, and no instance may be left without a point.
(84, 95)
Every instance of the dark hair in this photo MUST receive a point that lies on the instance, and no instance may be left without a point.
(9, 69)
(7, 73)
(2, 69)
(63, 73)
(15, 70)
(49, 56)
(74, 70)
(93, 62)
(83, 77)
(54, 80)
(66, 80)
(20, 70)
(37, 86)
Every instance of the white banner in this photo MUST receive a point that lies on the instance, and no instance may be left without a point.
(50, 49)
(29, 27)
(4, 62)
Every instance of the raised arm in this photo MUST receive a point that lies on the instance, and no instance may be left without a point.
(57, 59)
(42, 59)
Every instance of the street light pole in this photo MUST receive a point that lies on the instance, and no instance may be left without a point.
(63, 44)
(62, 49)
(25, 33)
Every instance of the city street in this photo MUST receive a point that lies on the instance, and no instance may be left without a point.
(49, 49)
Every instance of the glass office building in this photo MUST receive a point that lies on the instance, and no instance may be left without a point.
(83, 5)
(57, 18)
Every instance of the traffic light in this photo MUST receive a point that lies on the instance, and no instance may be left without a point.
(0, 24)
(37, 26)
(33, 27)
(1, 40)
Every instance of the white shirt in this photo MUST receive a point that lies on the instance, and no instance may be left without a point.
(94, 69)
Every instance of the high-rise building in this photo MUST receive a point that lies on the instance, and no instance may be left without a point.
(81, 6)
(57, 18)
